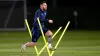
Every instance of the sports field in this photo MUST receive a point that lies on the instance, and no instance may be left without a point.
(74, 43)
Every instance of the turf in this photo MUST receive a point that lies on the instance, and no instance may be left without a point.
(74, 43)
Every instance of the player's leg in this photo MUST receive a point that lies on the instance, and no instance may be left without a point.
(29, 44)
(49, 34)
(35, 37)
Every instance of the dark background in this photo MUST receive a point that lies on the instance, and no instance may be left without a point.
(61, 11)
(88, 13)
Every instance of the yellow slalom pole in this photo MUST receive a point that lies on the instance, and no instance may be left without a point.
(56, 32)
(43, 35)
(61, 37)
(30, 34)
(52, 38)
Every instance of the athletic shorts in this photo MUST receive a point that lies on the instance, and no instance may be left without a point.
(36, 33)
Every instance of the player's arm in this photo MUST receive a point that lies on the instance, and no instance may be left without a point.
(44, 20)
(38, 15)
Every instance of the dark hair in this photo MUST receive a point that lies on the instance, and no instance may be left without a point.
(42, 2)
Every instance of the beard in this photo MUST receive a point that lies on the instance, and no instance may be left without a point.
(44, 9)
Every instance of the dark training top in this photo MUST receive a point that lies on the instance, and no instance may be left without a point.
(42, 17)
(36, 29)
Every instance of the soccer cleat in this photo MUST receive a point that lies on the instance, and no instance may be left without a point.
(52, 49)
(23, 48)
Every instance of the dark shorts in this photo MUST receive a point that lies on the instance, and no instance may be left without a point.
(36, 33)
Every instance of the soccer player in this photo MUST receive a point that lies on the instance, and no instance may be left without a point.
(36, 33)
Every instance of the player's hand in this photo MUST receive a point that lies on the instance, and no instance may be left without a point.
(50, 21)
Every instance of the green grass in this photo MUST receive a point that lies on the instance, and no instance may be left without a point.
(74, 43)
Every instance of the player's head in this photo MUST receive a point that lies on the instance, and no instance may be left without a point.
(43, 5)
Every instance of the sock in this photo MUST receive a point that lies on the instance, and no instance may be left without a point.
(24, 45)
(49, 39)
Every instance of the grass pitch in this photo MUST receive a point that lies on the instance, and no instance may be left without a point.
(74, 43)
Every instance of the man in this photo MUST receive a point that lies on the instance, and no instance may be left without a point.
(36, 33)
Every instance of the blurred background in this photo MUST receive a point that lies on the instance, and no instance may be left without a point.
(81, 14)
(82, 37)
